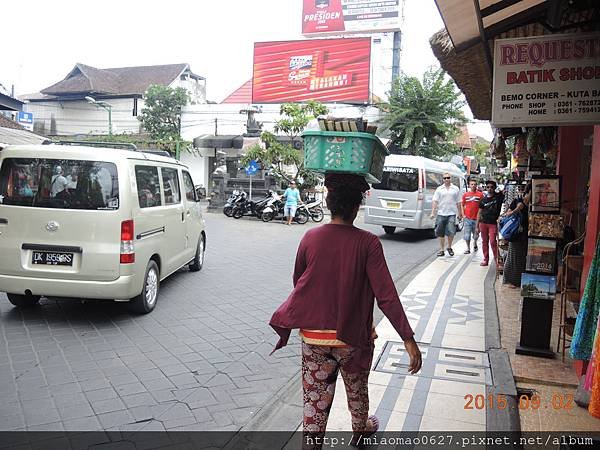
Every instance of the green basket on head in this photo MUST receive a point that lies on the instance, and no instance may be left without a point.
(344, 152)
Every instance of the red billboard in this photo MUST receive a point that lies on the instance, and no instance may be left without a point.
(327, 70)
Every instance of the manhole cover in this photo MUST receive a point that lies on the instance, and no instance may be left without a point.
(438, 362)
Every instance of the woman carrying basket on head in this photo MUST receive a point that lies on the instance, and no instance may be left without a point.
(339, 271)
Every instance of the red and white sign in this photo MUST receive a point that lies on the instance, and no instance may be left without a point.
(547, 80)
(349, 16)
(327, 70)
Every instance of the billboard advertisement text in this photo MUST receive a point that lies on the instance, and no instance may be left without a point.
(327, 70)
(349, 16)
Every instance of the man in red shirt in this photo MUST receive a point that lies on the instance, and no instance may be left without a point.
(470, 202)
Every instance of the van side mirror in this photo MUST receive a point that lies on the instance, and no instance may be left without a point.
(200, 194)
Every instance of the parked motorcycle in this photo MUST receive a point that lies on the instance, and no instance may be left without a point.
(247, 207)
(228, 208)
(275, 210)
(315, 210)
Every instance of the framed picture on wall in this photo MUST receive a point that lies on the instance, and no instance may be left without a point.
(541, 256)
(534, 285)
(545, 194)
(546, 225)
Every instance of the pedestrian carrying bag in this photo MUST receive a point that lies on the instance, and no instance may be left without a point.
(510, 227)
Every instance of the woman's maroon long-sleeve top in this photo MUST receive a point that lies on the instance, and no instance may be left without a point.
(339, 271)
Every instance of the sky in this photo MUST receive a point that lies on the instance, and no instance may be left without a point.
(216, 37)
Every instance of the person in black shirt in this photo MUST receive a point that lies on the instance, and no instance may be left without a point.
(489, 211)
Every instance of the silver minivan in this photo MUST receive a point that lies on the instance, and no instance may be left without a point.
(403, 199)
(95, 223)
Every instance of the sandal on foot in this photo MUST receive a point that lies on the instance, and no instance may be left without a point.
(357, 436)
(450, 251)
(467, 252)
(441, 253)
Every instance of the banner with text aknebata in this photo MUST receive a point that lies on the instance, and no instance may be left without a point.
(547, 80)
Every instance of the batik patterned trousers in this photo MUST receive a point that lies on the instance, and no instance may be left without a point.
(320, 367)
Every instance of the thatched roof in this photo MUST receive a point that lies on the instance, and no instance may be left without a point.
(469, 71)
(469, 67)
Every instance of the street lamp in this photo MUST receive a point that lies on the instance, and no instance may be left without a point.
(106, 106)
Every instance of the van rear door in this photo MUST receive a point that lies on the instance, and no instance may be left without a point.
(398, 190)
(59, 218)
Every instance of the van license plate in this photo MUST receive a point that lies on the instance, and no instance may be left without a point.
(395, 205)
(52, 258)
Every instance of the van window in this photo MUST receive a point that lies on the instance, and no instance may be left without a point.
(59, 183)
(190, 192)
(405, 179)
(148, 186)
(171, 186)
(433, 180)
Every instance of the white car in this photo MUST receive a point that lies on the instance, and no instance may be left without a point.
(95, 223)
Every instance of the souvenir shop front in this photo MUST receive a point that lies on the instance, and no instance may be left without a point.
(544, 103)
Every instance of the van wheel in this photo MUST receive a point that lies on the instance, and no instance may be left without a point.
(146, 301)
(23, 301)
(389, 230)
(198, 260)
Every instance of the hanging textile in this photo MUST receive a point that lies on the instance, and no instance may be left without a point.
(585, 326)
(592, 376)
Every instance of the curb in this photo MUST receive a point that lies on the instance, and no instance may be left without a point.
(503, 380)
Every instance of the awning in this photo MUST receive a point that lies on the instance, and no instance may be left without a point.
(8, 103)
(468, 20)
(465, 48)
(225, 141)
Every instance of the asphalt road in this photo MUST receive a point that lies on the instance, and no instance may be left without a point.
(200, 361)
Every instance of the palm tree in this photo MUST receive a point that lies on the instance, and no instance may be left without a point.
(423, 116)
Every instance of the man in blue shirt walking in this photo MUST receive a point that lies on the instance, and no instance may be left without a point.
(292, 197)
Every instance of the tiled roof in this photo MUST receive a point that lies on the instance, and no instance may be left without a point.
(5, 122)
(85, 79)
(13, 133)
(243, 94)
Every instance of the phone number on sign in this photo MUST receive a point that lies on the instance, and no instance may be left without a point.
(534, 402)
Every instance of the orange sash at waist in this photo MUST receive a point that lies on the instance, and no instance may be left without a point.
(326, 338)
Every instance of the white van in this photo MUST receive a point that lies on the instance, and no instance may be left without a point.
(94, 223)
(403, 198)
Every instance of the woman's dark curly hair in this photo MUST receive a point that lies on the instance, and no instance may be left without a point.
(345, 193)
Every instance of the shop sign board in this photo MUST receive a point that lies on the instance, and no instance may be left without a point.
(327, 70)
(25, 119)
(547, 80)
(321, 17)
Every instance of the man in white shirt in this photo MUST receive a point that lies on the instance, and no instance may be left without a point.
(59, 182)
(446, 207)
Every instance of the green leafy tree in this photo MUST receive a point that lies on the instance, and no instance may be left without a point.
(423, 116)
(280, 157)
(161, 115)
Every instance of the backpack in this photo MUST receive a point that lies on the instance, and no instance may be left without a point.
(511, 227)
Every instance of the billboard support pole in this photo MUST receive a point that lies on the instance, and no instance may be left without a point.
(396, 55)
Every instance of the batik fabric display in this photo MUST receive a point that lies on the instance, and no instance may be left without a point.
(586, 324)
(592, 376)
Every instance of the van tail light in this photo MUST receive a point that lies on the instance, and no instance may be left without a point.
(127, 248)
(421, 184)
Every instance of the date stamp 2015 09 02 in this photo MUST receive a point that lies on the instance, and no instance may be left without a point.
(499, 401)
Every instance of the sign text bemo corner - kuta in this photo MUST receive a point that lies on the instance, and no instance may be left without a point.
(547, 80)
